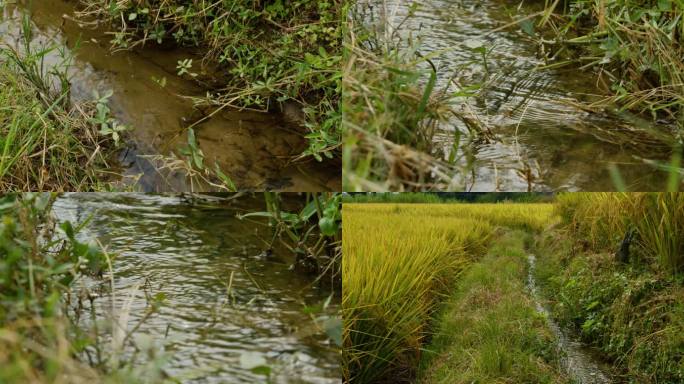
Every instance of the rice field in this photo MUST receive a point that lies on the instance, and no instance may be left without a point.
(399, 262)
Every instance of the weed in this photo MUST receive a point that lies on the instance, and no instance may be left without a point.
(268, 52)
(47, 143)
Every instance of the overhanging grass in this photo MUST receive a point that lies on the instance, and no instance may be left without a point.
(268, 52)
(638, 46)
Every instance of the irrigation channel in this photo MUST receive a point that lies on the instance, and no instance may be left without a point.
(226, 307)
(579, 361)
(253, 148)
(541, 139)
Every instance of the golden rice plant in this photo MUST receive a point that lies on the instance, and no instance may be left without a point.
(600, 220)
(399, 260)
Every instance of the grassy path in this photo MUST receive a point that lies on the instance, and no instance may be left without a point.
(489, 331)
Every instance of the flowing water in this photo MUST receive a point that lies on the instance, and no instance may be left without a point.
(541, 139)
(253, 148)
(225, 305)
(578, 361)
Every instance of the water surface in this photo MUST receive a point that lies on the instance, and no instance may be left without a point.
(540, 139)
(188, 252)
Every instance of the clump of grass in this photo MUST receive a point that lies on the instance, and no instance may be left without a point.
(637, 46)
(399, 261)
(489, 330)
(46, 142)
(392, 110)
(268, 52)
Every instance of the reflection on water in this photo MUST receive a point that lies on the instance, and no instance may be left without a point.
(542, 140)
(188, 252)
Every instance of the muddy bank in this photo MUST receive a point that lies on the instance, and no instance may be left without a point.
(255, 149)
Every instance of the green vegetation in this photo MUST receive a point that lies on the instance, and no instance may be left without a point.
(637, 45)
(39, 339)
(314, 234)
(66, 315)
(507, 340)
(267, 52)
(392, 109)
(47, 143)
(631, 310)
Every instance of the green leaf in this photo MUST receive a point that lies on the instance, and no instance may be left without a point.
(527, 26)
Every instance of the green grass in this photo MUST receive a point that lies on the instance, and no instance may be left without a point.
(632, 314)
(267, 52)
(489, 330)
(46, 143)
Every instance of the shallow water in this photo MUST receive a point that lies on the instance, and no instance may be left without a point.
(253, 148)
(537, 128)
(579, 361)
(188, 251)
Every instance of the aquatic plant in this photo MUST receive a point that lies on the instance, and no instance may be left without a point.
(313, 234)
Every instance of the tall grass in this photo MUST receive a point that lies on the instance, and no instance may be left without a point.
(46, 143)
(399, 261)
(392, 109)
(602, 219)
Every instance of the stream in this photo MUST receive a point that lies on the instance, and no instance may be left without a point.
(578, 361)
(226, 305)
(253, 148)
(540, 139)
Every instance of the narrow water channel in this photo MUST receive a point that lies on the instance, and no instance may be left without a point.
(225, 303)
(541, 140)
(578, 361)
(254, 148)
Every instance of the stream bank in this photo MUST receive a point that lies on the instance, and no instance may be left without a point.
(495, 328)
(254, 149)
